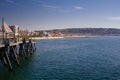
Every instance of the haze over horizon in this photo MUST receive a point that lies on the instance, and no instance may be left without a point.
(60, 14)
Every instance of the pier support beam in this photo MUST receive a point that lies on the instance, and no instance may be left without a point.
(13, 48)
(22, 50)
(8, 60)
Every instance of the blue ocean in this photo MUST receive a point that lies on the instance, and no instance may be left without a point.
(92, 58)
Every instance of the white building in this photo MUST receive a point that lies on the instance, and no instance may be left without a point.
(14, 28)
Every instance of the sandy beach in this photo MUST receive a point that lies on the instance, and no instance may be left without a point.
(36, 38)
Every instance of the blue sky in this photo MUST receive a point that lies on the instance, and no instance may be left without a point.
(60, 14)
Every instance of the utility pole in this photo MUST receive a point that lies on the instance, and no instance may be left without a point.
(18, 34)
(3, 32)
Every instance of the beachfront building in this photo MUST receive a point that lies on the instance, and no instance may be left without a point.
(38, 33)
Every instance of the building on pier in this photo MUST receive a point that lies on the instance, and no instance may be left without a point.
(15, 29)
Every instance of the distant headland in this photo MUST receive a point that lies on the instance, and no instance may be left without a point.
(78, 32)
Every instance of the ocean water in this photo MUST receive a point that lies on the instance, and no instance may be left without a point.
(94, 58)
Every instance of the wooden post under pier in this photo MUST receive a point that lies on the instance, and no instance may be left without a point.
(14, 52)
(7, 58)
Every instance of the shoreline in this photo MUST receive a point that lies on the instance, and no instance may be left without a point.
(37, 38)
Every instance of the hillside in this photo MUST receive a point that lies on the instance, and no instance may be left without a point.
(85, 31)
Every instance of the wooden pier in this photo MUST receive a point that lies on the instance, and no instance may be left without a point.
(11, 51)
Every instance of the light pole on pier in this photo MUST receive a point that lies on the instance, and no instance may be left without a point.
(3, 32)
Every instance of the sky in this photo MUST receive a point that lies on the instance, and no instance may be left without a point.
(60, 14)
